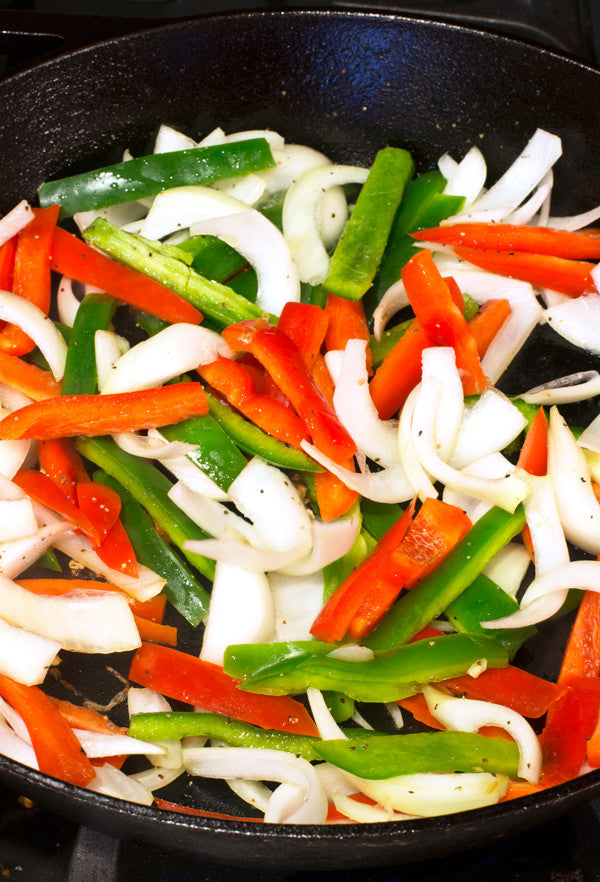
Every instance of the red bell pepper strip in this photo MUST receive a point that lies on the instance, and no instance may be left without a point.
(322, 377)
(101, 504)
(56, 747)
(41, 488)
(280, 357)
(570, 723)
(59, 459)
(533, 457)
(82, 717)
(233, 381)
(306, 325)
(347, 321)
(7, 264)
(570, 277)
(525, 693)
(582, 654)
(485, 325)
(33, 381)
(188, 810)
(117, 551)
(580, 245)
(400, 371)
(334, 498)
(156, 632)
(78, 260)
(92, 415)
(31, 273)
(186, 678)
(431, 299)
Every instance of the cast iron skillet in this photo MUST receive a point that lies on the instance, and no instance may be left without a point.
(346, 83)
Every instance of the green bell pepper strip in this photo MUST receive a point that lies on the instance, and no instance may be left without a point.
(95, 313)
(393, 755)
(429, 599)
(216, 454)
(182, 589)
(381, 679)
(335, 572)
(340, 706)
(150, 324)
(147, 175)
(253, 440)
(484, 601)
(214, 300)
(360, 248)
(378, 517)
(150, 487)
(181, 724)
(213, 258)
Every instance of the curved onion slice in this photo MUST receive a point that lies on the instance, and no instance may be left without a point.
(146, 701)
(488, 426)
(439, 362)
(330, 541)
(241, 610)
(309, 805)
(537, 201)
(169, 139)
(509, 567)
(17, 520)
(173, 351)
(547, 535)
(469, 715)
(392, 302)
(264, 247)
(24, 656)
(578, 508)
(565, 390)
(300, 216)
(190, 474)
(152, 446)
(218, 136)
(108, 353)
(524, 175)
(16, 219)
(466, 178)
(505, 492)
(525, 315)
(180, 207)
(19, 554)
(324, 721)
(376, 438)
(67, 303)
(84, 622)
(547, 593)
(297, 601)
(578, 319)
(15, 748)
(113, 782)
(590, 437)
(42, 330)
(494, 465)
(417, 476)
(99, 744)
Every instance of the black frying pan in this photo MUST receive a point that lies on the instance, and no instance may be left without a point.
(346, 83)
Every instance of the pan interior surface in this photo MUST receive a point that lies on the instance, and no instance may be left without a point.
(347, 84)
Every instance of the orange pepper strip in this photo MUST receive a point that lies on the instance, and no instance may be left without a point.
(188, 810)
(156, 632)
(487, 322)
(187, 678)
(59, 459)
(105, 414)
(56, 747)
(570, 277)
(33, 381)
(347, 321)
(431, 298)
(82, 717)
(31, 273)
(80, 261)
(583, 245)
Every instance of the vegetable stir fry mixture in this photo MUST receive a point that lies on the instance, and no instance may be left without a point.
(254, 446)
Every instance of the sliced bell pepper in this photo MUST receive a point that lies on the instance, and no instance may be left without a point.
(525, 693)
(579, 245)
(570, 723)
(95, 313)
(7, 263)
(77, 260)
(216, 453)
(82, 717)
(155, 632)
(100, 504)
(35, 382)
(31, 274)
(92, 415)
(187, 678)
(487, 322)
(400, 371)
(570, 277)
(466, 561)
(333, 497)
(233, 381)
(59, 459)
(347, 321)
(533, 457)
(431, 299)
(306, 325)
(41, 488)
(117, 552)
(582, 653)
(280, 357)
(56, 747)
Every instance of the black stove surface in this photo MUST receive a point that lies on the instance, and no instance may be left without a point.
(36, 844)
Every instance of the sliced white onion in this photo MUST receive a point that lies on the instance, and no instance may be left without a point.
(113, 782)
(297, 601)
(575, 222)
(494, 465)
(99, 744)
(147, 701)
(123, 215)
(153, 446)
(67, 303)
(578, 320)
(565, 390)
(505, 492)
(439, 362)
(180, 207)
(467, 178)
(16, 219)
(392, 302)
(300, 216)
(480, 284)
(15, 748)
(168, 140)
(327, 726)
(249, 189)
(218, 136)
(590, 437)
(538, 200)
(527, 171)
(418, 478)
(255, 793)
(215, 519)
(156, 777)
(108, 353)
(25, 657)
(236, 552)
(19, 554)
(190, 474)
(578, 508)
(12, 399)
(488, 426)
(241, 610)
(79, 622)
(17, 520)
(525, 315)
(469, 715)
(547, 593)
(508, 568)
(258, 764)
(173, 351)
(376, 438)
(264, 247)
(36, 324)
(330, 541)
(547, 536)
